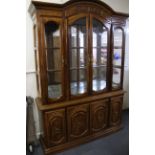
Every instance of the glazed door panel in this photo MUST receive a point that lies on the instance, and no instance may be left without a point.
(78, 55)
(78, 121)
(52, 48)
(99, 54)
(99, 115)
(56, 127)
(116, 110)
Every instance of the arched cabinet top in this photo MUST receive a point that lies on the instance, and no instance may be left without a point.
(74, 7)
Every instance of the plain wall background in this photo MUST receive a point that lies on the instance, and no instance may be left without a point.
(116, 5)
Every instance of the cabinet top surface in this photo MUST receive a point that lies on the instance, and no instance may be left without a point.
(44, 107)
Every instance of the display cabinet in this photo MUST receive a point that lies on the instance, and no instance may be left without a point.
(79, 50)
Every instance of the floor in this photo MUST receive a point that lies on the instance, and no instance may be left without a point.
(115, 144)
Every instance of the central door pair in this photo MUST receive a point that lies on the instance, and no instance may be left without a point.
(88, 54)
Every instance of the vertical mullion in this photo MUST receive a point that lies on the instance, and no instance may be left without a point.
(123, 57)
(90, 55)
(42, 59)
(86, 54)
(99, 45)
(52, 57)
(108, 76)
(111, 57)
(98, 54)
(78, 57)
(61, 64)
(69, 44)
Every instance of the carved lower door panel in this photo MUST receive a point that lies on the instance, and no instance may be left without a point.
(78, 121)
(116, 110)
(99, 115)
(56, 127)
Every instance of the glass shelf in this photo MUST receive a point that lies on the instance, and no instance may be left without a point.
(76, 88)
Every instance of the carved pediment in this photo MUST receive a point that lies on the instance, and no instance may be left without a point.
(87, 9)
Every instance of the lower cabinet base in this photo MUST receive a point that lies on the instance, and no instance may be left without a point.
(71, 125)
(62, 147)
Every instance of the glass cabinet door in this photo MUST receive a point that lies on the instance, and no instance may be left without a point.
(99, 55)
(117, 57)
(78, 57)
(53, 59)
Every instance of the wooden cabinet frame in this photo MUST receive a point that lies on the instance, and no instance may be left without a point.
(61, 115)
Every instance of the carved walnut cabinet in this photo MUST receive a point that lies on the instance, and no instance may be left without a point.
(79, 52)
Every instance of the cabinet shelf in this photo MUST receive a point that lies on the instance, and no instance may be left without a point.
(96, 66)
(52, 48)
(77, 68)
(104, 47)
(117, 66)
(77, 47)
(54, 70)
(118, 47)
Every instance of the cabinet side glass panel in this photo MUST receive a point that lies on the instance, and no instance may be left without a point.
(117, 57)
(35, 36)
(53, 58)
(118, 37)
(116, 80)
(78, 59)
